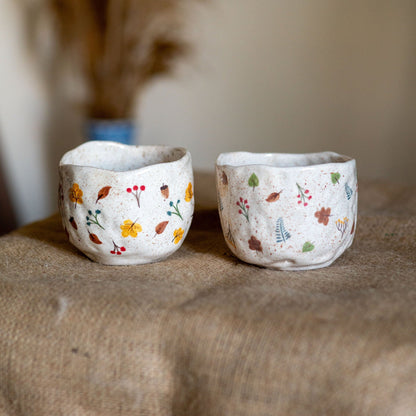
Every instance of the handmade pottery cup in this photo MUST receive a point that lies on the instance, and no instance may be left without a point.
(287, 211)
(125, 204)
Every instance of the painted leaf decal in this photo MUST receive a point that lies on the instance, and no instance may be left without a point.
(255, 244)
(348, 191)
(307, 247)
(94, 238)
(103, 192)
(335, 176)
(353, 228)
(224, 179)
(73, 223)
(253, 181)
(161, 227)
(282, 235)
(273, 197)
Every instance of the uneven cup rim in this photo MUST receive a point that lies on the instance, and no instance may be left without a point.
(339, 159)
(184, 157)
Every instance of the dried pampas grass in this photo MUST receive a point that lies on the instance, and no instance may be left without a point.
(119, 46)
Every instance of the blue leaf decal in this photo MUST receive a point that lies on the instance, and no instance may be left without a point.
(348, 191)
(282, 235)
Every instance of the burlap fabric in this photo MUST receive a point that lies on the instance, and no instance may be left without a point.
(204, 334)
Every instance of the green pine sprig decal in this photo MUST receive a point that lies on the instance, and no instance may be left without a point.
(282, 235)
(253, 181)
(348, 191)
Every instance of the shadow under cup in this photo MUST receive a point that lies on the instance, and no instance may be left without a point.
(287, 211)
(125, 204)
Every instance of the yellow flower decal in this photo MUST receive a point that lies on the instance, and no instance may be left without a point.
(130, 228)
(188, 193)
(75, 194)
(178, 235)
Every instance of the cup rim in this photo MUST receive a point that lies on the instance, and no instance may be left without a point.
(93, 144)
(339, 159)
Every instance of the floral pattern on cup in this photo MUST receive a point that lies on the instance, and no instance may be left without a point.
(287, 229)
(94, 208)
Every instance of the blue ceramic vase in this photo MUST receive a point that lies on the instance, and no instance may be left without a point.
(121, 131)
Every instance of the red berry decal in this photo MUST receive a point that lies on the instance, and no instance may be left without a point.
(117, 249)
(303, 195)
(244, 207)
(136, 192)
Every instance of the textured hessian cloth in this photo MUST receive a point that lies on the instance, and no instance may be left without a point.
(205, 334)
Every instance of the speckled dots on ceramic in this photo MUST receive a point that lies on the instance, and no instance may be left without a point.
(287, 211)
(125, 204)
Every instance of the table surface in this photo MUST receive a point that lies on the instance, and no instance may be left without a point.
(205, 334)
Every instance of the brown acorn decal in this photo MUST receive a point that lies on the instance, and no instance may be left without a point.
(164, 189)
(103, 192)
(94, 238)
(73, 223)
(273, 197)
(255, 244)
(161, 227)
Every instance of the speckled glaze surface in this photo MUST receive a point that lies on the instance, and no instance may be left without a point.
(287, 211)
(125, 204)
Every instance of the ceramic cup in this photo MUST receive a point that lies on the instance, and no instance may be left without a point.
(287, 211)
(125, 204)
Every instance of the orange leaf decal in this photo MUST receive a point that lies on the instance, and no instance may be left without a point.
(161, 227)
(273, 197)
(103, 192)
(94, 238)
(323, 215)
(255, 244)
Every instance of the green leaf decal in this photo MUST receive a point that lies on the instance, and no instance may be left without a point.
(307, 247)
(335, 177)
(253, 181)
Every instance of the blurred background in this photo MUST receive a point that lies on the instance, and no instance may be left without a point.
(260, 75)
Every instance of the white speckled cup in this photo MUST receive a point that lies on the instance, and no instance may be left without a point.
(125, 204)
(287, 211)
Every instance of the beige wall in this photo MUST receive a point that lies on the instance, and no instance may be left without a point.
(267, 75)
